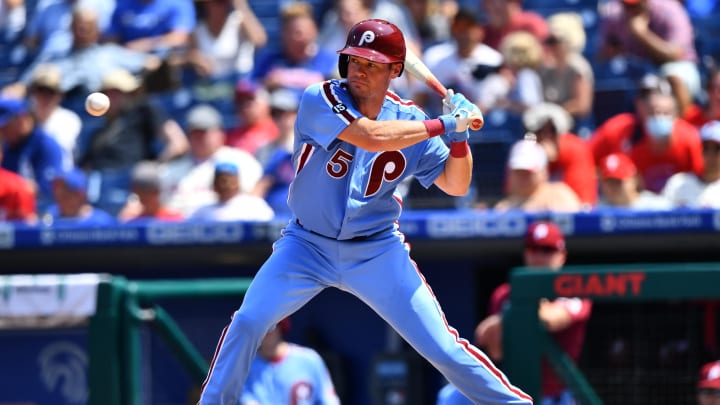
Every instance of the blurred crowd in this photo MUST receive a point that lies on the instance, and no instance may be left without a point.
(204, 95)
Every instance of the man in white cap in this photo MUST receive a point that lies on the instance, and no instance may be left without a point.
(188, 181)
(528, 187)
(690, 190)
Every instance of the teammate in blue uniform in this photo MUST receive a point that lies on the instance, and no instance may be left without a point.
(355, 141)
(286, 373)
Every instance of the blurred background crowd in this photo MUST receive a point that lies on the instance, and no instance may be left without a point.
(623, 97)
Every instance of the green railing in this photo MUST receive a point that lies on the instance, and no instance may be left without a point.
(114, 332)
(526, 341)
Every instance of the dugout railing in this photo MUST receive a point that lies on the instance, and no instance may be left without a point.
(114, 344)
(526, 341)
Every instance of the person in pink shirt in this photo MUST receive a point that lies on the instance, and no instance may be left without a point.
(256, 127)
(658, 32)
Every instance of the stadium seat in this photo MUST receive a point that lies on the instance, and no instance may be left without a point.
(707, 40)
(500, 126)
(489, 170)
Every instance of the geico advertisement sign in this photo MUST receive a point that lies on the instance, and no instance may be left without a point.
(468, 226)
(169, 234)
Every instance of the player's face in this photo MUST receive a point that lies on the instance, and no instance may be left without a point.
(366, 77)
(708, 396)
(545, 257)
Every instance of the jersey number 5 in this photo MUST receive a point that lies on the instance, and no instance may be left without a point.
(387, 166)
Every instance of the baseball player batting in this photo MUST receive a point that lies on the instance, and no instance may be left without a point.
(355, 141)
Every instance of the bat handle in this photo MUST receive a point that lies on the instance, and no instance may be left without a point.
(476, 123)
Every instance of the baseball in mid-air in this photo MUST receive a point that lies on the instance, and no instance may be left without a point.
(97, 104)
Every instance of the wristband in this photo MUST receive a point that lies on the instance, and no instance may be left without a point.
(448, 122)
(459, 149)
(434, 127)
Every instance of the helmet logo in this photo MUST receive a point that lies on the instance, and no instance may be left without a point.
(366, 37)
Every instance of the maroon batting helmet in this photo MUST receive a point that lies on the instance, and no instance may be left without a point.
(377, 40)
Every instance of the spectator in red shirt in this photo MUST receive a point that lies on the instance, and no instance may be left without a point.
(507, 16)
(256, 127)
(565, 318)
(700, 115)
(570, 159)
(658, 142)
(17, 198)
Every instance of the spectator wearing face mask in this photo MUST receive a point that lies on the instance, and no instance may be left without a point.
(658, 142)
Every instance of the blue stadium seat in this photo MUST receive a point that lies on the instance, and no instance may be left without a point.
(174, 103)
(489, 168)
(109, 189)
(707, 40)
(500, 126)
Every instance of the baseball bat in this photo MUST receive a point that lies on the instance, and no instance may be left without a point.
(420, 71)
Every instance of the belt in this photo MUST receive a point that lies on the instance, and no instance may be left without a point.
(353, 239)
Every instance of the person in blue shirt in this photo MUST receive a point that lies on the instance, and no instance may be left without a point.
(300, 61)
(49, 35)
(152, 26)
(28, 150)
(71, 205)
(287, 373)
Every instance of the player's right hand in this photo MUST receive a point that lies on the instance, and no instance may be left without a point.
(456, 125)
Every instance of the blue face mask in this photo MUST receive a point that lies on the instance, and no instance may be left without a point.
(659, 126)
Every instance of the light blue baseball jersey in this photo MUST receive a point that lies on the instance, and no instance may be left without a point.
(357, 195)
(299, 378)
(345, 235)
